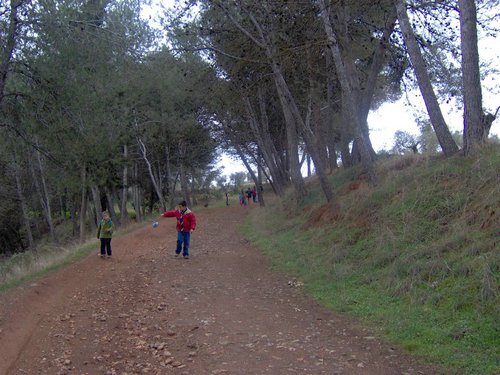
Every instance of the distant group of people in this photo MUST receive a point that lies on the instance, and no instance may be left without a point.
(246, 196)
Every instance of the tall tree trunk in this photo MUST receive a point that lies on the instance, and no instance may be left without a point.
(259, 186)
(194, 198)
(159, 178)
(111, 205)
(124, 195)
(169, 178)
(312, 149)
(96, 198)
(263, 41)
(154, 182)
(47, 200)
(320, 133)
(376, 66)
(315, 140)
(8, 45)
(345, 139)
(83, 205)
(368, 90)
(287, 101)
(350, 86)
(332, 131)
(62, 206)
(74, 216)
(349, 107)
(44, 196)
(474, 134)
(22, 202)
(144, 155)
(137, 194)
(174, 188)
(293, 116)
(276, 157)
(183, 174)
(448, 145)
(355, 87)
(263, 138)
(92, 215)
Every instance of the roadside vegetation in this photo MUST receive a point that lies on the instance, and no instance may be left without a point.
(29, 266)
(416, 257)
(22, 268)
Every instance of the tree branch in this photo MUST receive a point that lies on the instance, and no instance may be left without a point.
(240, 27)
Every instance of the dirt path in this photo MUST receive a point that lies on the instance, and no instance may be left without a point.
(146, 312)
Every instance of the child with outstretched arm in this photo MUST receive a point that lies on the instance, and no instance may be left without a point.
(186, 224)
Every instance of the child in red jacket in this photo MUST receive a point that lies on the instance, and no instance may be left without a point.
(186, 223)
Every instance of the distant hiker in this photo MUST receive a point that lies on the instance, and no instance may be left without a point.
(104, 233)
(254, 193)
(241, 196)
(249, 195)
(186, 224)
(227, 198)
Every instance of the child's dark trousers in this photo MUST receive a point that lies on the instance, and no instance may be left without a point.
(106, 246)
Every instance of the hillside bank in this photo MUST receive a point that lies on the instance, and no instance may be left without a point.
(416, 256)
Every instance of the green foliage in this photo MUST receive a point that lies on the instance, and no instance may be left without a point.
(85, 82)
(416, 256)
(238, 180)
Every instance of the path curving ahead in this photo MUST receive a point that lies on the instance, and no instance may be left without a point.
(223, 311)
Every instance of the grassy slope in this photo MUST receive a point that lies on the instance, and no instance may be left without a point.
(417, 256)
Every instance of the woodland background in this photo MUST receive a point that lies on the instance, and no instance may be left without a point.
(99, 110)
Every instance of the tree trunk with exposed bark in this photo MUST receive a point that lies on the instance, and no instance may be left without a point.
(446, 141)
(41, 188)
(183, 173)
(22, 201)
(260, 131)
(124, 194)
(348, 96)
(475, 133)
(83, 204)
(9, 43)
(137, 194)
(96, 198)
(155, 183)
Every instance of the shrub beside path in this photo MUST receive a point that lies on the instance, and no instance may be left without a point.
(223, 311)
